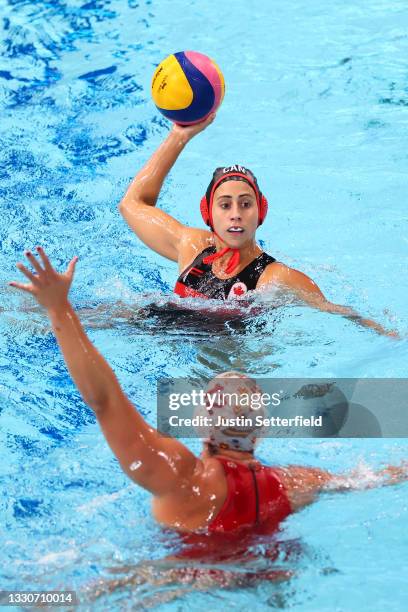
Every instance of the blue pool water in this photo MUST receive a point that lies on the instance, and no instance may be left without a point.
(316, 104)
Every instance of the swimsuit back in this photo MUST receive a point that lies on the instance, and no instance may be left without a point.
(255, 498)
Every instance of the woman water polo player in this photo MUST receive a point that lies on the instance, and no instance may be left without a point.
(222, 491)
(225, 262)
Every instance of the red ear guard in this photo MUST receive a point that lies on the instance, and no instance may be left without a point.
(263, 209)
(205, 211)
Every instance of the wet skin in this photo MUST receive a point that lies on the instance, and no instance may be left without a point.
(188, 491)
(174, 240)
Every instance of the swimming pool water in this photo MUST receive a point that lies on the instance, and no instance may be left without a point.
(316, 104)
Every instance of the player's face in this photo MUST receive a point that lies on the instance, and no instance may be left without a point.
(235, 213)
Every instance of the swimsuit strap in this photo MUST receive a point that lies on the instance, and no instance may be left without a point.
(251, 273)
(240, 506)
(256, 491)
(198, 263)
(211, 250)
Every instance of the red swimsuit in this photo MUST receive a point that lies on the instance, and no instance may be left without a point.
(255, 498)
(256, 503)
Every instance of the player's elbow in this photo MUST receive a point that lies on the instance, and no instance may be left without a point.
(97, 402)
(125, 206)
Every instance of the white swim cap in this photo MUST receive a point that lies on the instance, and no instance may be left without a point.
(235, 399)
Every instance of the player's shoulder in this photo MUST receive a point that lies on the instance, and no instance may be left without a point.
(193, 242)
(195, 233)
(274, 272)
(196, 239)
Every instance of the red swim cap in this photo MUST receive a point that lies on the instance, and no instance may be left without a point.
(232, 173)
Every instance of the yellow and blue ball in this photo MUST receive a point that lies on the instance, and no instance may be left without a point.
(187, 87)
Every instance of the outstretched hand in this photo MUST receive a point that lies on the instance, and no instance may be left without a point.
(48, 287)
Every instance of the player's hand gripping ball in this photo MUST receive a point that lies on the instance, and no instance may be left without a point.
(187, 87)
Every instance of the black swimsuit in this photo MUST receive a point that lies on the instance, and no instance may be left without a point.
(198, 279)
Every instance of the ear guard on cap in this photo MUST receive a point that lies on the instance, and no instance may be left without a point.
(263, 210)
(205, 210)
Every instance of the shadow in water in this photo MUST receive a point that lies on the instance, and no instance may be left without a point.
(213, 567)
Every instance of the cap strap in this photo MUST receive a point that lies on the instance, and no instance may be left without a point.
(232, 263)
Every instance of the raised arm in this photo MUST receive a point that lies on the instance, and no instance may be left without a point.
(156, 463)
(306, 289)
(157, 229)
